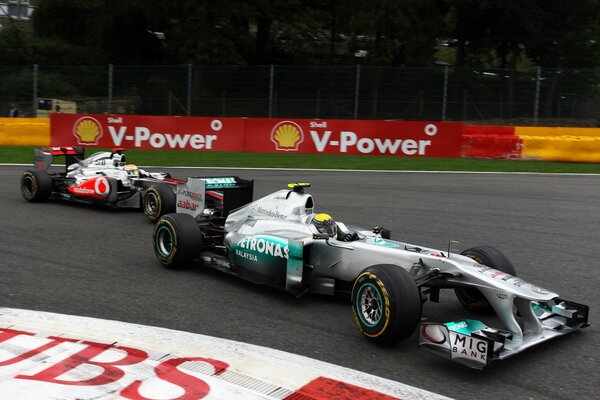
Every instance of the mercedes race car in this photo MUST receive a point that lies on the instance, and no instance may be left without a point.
(102, 178)
(279, 241)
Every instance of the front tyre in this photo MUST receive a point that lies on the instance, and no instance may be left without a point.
(386, 303)
(36, 185)
(472, 298)
(157, 201)
(177, 240)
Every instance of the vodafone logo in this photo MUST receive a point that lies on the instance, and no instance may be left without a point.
(102, 186)
(81, 190)
(98, 188)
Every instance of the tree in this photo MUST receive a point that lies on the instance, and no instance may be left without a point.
(568, 34)
(15, 47)
(551, 32)
(68, 32)
(487, 33)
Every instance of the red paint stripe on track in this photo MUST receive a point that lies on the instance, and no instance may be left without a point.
(329, 389)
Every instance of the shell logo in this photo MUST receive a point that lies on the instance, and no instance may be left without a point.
(287, 136)
(87, 130)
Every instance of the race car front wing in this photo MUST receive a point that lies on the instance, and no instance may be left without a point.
(476, 345)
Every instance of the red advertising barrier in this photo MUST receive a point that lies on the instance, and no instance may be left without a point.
(498, 142)
(488, 130)
(141, 132)
(374, 137)
(410, 139)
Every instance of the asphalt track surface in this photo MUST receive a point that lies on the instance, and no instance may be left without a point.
(97, 262)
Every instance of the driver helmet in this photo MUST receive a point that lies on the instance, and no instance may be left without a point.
(132, 170)
(325, 224)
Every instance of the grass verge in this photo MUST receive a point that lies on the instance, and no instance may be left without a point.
(24, 154)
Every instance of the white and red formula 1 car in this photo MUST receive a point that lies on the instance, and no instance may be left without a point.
(103, 178)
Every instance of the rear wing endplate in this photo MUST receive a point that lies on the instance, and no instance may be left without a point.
(42, 158)
(234, 192)
(190, 197)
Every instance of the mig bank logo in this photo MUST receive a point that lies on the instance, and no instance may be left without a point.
(287, 136)
(87, 130)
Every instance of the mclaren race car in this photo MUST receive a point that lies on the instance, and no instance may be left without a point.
(279, 241)
(102, 178)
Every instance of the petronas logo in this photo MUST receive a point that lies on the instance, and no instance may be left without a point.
(287, 136)
(87, 130)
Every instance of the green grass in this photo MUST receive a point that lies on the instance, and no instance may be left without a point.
(24, 154)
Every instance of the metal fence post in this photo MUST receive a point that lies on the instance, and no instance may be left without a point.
(271, 80)
(189, 90)
(445, 93)
(35, 90)
(356, 91)
(110, 89)
(536, 104)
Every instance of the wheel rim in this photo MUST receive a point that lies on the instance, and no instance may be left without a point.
(164, 241)
(151, 204)
(28, 186)
(369, 305)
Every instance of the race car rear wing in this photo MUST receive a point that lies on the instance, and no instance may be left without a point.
(230, 191)
(236, 191)
(43, 157)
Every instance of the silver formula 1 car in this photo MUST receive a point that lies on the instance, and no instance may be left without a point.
(273, 241)
(102, 178)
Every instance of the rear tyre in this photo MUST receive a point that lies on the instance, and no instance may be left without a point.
(386, 303)
(177, 240)
(472, 298)
(36, 185)
(157, 201)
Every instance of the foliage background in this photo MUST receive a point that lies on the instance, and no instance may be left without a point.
(479, 33)
(492, 47)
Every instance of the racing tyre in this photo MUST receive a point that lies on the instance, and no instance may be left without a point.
(386, 303)
(158, 200)
(490, 256)
(36, 185)
(177, 240)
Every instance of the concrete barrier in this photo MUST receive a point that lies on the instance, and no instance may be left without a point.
(496, 142)
(560, 143)
(24, 132)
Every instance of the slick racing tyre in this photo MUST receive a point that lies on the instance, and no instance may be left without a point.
(472, 298)
(158, 200)
(177, 240)
(36, 185)
(386, 303)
